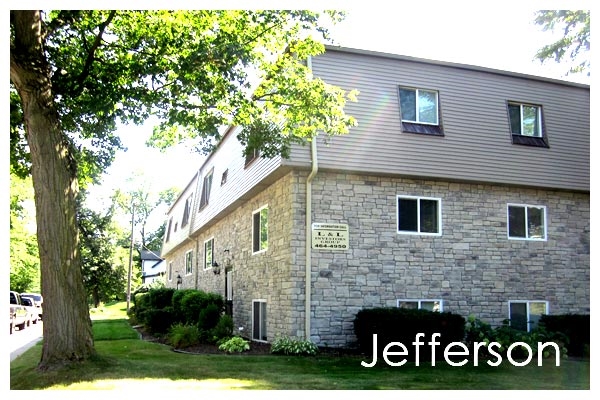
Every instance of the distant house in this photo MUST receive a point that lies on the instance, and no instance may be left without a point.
(153, 267)
(462, 189)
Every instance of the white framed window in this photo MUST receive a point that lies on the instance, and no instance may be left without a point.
(260, 229)
(206, 185)
(421, 304)
(419, 106)
(188, 262)
(209, 258)
(527, 124)
(525, 119)
(525, 315)
(526, 222)
(259, 320)
(170, 271)
(419, 215)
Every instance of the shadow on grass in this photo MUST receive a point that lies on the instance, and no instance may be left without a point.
(124, 361)
(133, 363)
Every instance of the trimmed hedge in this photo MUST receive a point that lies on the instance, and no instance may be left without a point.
(193, 302)
(393, 324)
(576, 327)
(158, 320)
(178, 308)
(160, 308)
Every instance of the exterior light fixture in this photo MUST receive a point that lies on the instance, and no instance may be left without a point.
(216, 268)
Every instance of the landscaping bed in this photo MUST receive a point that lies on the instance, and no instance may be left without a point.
(256, 348)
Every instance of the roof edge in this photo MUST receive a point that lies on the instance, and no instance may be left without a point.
(471, 67)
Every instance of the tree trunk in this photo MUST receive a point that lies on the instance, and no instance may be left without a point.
(67, 325)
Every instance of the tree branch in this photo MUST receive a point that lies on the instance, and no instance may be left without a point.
(91, 52)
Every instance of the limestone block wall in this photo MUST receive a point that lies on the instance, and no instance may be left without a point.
(473, 266)
(263, 276)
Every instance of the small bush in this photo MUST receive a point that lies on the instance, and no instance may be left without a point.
(158, 320)
(181, 336)
(393, 324)
(178, 308)
(195, 301)
(209, 317)
(223, 329)
(479, 331)
(160, 297)
(235, 345)
(141, 305)
(576, 327)
(297, 347)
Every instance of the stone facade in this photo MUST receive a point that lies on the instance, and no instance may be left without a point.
(262, 276)
(472, 266)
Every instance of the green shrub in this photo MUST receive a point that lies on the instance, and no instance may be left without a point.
(141, 305)
(479, 331)
(235, 345)
(160, 297)
(209, 317)
(158, 320)
(181, 336)
(288, 346)
(223, 329)
(576, 328)
(393, 324)
(178, 307)
(195, 301)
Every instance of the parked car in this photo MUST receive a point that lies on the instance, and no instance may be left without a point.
(19, 315)
(32, 310)
(38, 301)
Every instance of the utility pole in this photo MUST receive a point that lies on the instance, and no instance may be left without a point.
(130, 257)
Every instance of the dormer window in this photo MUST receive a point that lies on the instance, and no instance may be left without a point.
(526, 124)
(419, 110)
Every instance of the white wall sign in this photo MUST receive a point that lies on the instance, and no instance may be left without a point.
(330, 236)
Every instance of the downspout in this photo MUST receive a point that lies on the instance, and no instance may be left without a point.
(308, 241)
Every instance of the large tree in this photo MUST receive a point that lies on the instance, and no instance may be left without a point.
(575, 41)
(78, 73)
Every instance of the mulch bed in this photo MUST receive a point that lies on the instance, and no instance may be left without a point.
(256, 348)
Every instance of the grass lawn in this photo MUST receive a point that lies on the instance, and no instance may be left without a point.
(126, 362)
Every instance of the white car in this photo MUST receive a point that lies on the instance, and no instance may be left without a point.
(37, 300)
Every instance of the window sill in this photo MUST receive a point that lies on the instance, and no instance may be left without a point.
(529, 141)
(423, 129)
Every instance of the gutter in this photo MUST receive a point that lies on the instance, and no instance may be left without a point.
(308, 241)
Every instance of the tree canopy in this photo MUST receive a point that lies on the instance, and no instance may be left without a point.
(197, 71)
(76, 74)
(575, 42)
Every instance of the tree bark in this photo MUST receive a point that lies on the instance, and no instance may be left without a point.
(67, 326)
